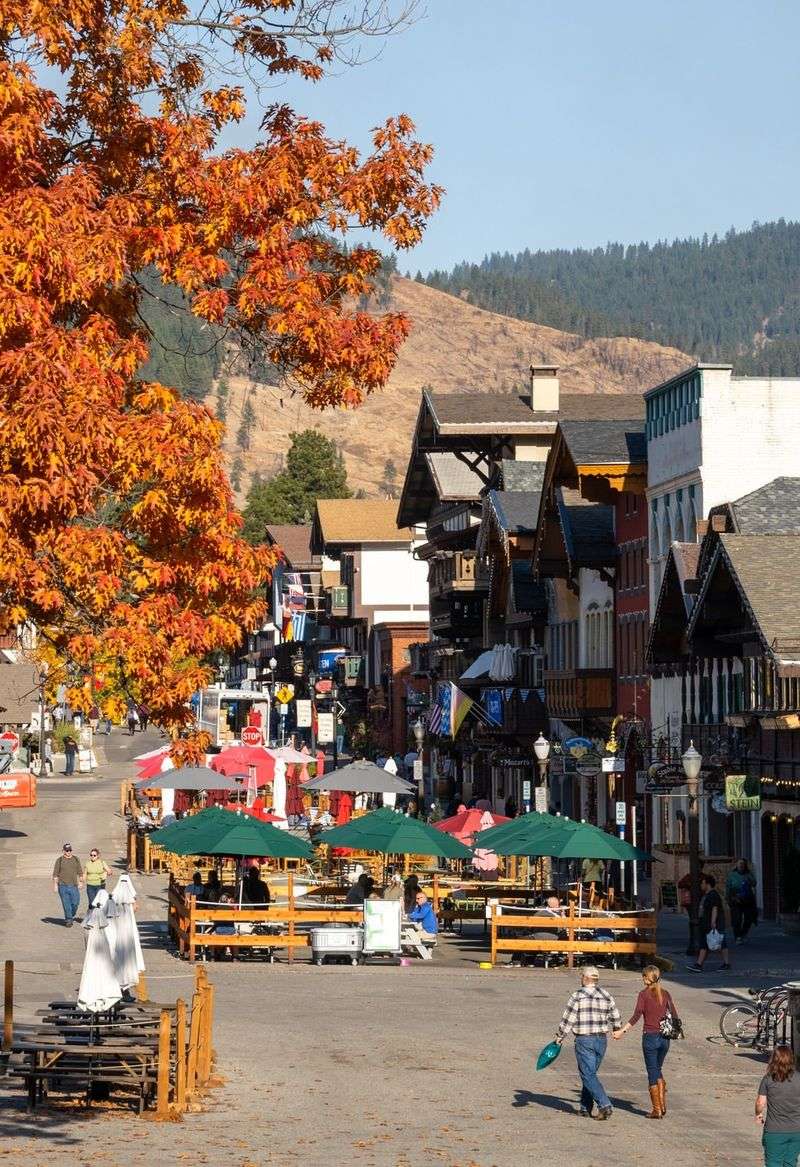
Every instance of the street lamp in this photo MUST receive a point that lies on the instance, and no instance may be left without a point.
(42, 762)
(541, 748)
(418, 729)
(692, 763)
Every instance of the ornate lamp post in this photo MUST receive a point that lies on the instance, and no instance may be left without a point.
(418, 729)
(541, 748)
(692, 763)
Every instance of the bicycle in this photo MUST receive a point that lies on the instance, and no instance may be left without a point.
(761, 1025)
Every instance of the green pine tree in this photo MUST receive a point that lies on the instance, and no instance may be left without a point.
(222, 400)
(237, 469)
(246, 425)
(389, 482)
(314, 469)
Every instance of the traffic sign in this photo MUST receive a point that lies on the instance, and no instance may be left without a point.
(526, 790)
(10, 736)
(621, 813)
(284, 695)
(252, 736)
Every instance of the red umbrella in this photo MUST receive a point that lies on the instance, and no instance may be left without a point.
(150, 767)
(466, 824)
(239, 759)
(320, 763)
(257, 811)
(294, 795)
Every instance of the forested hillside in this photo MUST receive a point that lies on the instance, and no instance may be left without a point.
(734, 298)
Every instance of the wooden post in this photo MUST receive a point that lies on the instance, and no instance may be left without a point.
(192, 934)
(571, 934)
(204, 1061)
(493, 957)
(123, 798)
(8, 1006)
(436, 895)
(162, 1088)
(147, 865)
(131, 849)
(141, 988)
(195, 1029)
(180, 1054)
(290, 897)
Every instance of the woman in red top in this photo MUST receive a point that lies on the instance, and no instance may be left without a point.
(652, 1004)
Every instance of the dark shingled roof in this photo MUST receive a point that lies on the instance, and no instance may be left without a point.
(465, 409)
(605, 442)
(588, 529)
(19, 693)
(528, 594)
(766, 569)
(522, 475)
(773, 509)
(516, 510)
(294, 540)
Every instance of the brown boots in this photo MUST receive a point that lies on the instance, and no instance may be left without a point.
(662, 1096)
(655, 1100)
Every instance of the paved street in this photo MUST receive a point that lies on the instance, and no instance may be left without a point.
(391, 1067)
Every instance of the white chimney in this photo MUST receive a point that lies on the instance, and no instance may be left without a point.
(544, 388)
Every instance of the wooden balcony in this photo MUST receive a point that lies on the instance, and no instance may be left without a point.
(580, 692)
(458, 572)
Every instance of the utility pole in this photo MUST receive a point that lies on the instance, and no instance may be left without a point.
(335, 709)
(42, 764)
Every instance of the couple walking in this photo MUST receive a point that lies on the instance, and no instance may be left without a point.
(591, 1012)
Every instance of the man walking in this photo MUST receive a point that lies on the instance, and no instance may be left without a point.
(589, 1014)
(67, 879)
(711, 917)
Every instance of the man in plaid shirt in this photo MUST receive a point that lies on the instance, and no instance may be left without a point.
(589, 1015)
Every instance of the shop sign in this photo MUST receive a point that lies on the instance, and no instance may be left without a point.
(577, 746)
(735, 796)
(325, 728)
(303, 712)
(613, 765)
(540, 799)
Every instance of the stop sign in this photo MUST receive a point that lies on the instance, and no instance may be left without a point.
(10, 736)
(251, 736)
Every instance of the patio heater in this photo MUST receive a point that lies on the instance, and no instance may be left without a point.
(692, 763)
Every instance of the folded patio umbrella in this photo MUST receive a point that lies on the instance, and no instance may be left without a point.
(289, 755)
(361, 778)
(123, 934)
(392, 833)
(189, 778)
(220, 832)
(99, 989)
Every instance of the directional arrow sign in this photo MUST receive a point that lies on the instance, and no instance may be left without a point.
(340, 709)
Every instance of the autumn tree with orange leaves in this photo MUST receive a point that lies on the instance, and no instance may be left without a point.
(119, 538)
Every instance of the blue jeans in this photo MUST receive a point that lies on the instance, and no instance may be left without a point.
(589, 1053)
(91, 891)
(655, 1048)
(780, 1150)
(69, 767)
(70, 899)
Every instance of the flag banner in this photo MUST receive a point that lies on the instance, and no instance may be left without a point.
(286, 626)
(460, 705)
(493, 704)
(524, 694)
(435, 715)
(509, 693)
(299, 620)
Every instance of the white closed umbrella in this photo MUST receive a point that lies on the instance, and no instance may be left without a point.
(508, 662)
(390, 796)
(99, 989)
(126, 947)
(279, 794)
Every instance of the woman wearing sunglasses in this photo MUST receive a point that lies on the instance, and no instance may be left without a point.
(96, 873)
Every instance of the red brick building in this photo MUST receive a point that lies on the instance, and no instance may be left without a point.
(395, 699)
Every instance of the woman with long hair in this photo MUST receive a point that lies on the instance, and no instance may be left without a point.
(778, 1109)
(653, 1004)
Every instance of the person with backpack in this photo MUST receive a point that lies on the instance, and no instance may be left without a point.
(661, 1024)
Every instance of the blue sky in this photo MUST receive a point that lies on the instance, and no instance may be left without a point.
(562, 123)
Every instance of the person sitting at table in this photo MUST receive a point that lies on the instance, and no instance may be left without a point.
(224, 927)
(424, 915)
(254, 889)
(195, 888)
(410, 893)
(213, 889)
(395, 890)
(361, 889)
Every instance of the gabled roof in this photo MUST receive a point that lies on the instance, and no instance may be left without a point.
(601, 443)
(341, 521)
(452, 478)
(516, 510)
(764, 570)
(511, 413)
(588, 529)
(527, 594)
(666, 641)
(19, 693)
(294, 540)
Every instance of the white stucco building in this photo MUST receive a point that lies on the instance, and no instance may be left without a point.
(712, 437)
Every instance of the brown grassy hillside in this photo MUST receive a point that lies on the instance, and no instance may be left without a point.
(454, 347)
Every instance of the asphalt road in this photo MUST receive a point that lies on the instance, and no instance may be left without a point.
(376, 1066)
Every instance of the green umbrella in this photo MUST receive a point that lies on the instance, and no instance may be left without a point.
(525, 824)
(223, 832)
(391, 833)
(568, 840)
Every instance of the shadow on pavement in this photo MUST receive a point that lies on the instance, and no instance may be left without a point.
(7, 833)
(549, 1101)
(54, 920)
(47, 1125)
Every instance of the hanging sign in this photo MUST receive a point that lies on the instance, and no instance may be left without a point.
(735, 796)
(325, 728)
(621, 813)
(540, 799)
(302, 709)
(577, 746)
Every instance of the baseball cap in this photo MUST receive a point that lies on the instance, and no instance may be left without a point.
(591, 972)
(67, 847)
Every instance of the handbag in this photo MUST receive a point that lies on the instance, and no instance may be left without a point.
(670, 1025)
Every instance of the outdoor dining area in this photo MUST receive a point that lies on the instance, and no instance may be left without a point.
(278, 875)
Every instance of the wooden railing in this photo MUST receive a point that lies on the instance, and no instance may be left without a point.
(581, 933)
(459, 572)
